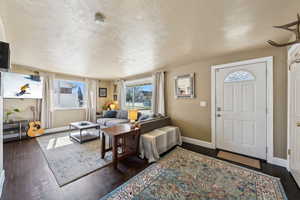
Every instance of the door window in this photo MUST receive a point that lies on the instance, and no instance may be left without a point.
(239, 76)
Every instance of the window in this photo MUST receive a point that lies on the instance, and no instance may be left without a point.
(69, 94)
(139, 96)
(239, 76)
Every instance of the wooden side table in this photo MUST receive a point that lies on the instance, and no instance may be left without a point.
(125, 142)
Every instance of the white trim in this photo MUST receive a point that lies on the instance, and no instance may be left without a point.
(289, 110)
(71, 108)
(198, 142)
(213, 106)
(290, 53)
(296, 176)
(246, 62)
(270, 132)
(279, 161)
(55, 130)
(275, 160)
(269, 62)
(2, 180)
(140, 81)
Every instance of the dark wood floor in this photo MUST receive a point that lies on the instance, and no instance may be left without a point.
(28, 176)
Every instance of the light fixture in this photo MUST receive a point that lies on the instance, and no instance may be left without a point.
(112, 106)
(99, 18)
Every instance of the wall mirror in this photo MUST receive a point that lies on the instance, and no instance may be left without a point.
(185, 86)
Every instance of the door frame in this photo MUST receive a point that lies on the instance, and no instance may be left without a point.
(291, 50)
(269, 63)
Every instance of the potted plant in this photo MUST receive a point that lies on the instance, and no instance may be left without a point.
(8, 113)
(104, 107)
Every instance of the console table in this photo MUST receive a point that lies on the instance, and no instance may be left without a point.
(125, 142)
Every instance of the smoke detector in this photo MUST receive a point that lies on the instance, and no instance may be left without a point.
(99, 18)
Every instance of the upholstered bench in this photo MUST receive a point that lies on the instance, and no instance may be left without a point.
(158, 141)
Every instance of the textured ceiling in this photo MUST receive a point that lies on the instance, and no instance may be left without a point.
(138, 36)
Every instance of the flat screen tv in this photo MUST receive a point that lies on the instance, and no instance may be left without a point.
(22, 86)
(4, 55)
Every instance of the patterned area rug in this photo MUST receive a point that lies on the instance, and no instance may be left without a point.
(70, 160)
(183, 174)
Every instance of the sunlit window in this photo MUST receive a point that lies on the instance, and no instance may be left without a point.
(139, 96)
(69, 94)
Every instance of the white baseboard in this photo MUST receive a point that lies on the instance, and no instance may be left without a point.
(59, 129)
(275, 160)
(2, 180)
(279, 161)
(296, 176)
(198, 142)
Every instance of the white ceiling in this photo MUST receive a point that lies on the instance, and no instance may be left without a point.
(138, 35)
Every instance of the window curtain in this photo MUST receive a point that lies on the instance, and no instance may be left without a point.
(47, 106)
(91, 100)
(122, 94)
(158, 93)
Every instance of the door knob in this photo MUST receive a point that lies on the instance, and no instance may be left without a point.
(298, 124)
(219, 115)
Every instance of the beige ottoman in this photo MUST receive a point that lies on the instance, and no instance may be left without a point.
(158, 141)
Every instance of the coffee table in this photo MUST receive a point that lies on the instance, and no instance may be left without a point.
(85, 134)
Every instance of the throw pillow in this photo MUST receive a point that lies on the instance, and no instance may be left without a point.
(122, 114)
(143, 117)
(110, 114)
(139, 115)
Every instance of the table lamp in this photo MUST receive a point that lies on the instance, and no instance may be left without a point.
(132, 115)
(112, 106)
(116, 103)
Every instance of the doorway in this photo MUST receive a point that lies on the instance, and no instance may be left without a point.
(242, 107)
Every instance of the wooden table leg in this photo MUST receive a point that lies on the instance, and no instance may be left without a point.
(138, 135)
(103, 145)
(115, 151)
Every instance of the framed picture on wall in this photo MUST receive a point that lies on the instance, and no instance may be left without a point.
(115, 88)
(185, 86)
(102, 92)
(115, 97)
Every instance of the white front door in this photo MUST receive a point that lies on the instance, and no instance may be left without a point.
(294, 120)
(241, 109)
